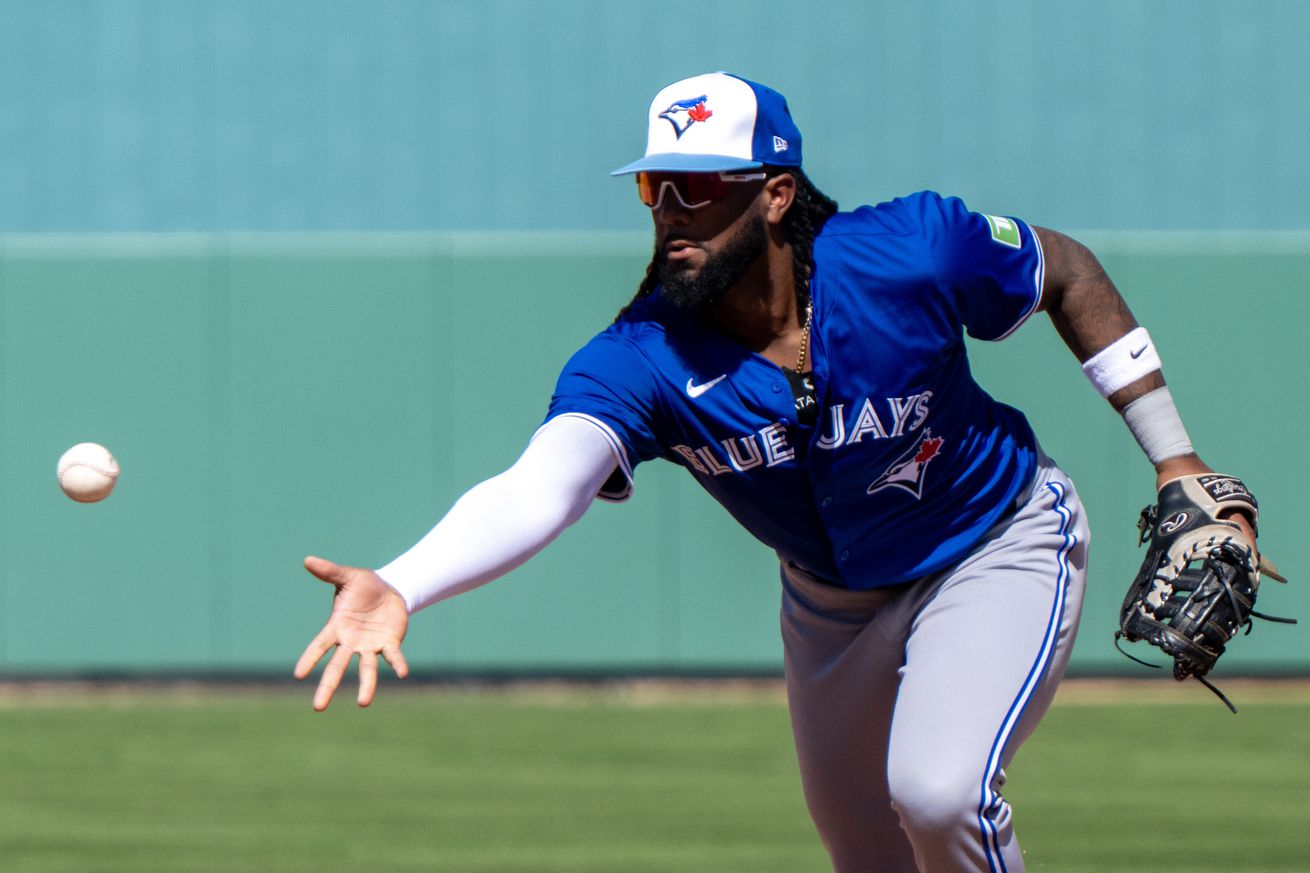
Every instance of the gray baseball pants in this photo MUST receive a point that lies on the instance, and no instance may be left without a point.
(907, 704)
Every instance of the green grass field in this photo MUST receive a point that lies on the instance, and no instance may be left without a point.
(629, 778)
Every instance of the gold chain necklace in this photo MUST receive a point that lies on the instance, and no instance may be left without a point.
(805, 340)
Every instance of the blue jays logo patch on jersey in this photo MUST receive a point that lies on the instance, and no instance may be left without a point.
(684, 113)
(907, 471)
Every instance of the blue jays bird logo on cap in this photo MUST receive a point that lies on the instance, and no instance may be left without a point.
(748, 125)
(684, 113)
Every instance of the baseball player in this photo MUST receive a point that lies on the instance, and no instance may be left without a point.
(807, 367)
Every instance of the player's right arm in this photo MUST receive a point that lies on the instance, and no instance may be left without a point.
(1091, 316)
(493, 528)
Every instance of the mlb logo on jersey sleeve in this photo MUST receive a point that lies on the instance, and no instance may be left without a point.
(1004, 231)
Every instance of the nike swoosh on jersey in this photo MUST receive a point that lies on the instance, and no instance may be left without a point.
(694, 391)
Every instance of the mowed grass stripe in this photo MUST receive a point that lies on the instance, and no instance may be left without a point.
(419, 782)
(622, 778)
(1182, 787)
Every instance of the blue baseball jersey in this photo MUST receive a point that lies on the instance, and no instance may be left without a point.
(909, 462)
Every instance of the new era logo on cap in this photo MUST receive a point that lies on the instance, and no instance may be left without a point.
(718, 122)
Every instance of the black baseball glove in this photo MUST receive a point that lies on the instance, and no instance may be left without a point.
(1197, 587)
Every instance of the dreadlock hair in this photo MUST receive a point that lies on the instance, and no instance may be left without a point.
(806, 217)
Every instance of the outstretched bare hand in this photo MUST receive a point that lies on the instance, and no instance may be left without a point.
(368, 618)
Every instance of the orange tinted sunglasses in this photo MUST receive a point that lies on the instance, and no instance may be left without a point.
(693, 190)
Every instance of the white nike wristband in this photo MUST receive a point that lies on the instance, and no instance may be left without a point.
(1122, 362)
(1155, 424)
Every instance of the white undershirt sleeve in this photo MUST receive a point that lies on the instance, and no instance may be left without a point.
(500, 523)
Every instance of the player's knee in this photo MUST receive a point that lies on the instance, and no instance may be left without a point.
(933, 801)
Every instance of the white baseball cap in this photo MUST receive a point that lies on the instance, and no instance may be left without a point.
(718, 122)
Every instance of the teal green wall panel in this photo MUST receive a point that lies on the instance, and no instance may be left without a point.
(286, 115)
(331, 355)
(518, 317)
(113, 347)
(272, 396)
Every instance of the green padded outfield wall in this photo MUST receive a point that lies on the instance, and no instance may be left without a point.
(262, 249)
(271, 396)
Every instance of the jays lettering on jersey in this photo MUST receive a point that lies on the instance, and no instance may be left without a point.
(910, 461)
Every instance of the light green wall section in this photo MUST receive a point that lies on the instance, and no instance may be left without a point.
(275, 396)
(1228, 313)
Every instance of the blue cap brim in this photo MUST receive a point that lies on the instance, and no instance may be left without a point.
(674, 162)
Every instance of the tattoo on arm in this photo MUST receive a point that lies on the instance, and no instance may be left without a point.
(1087, 310)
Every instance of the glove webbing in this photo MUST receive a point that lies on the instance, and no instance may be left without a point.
(1145, 524)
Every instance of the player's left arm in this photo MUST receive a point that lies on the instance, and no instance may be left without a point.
(1091, 317)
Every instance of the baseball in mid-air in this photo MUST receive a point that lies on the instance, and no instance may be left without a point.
(87, 472)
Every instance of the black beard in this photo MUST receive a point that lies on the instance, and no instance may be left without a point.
(694, 291)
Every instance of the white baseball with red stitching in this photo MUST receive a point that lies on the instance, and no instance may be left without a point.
(87, 472)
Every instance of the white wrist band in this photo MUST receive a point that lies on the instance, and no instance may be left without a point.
(1155, 424)
(1122, 362)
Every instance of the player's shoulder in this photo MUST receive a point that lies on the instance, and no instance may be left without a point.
(906, 215)
(645, 321)
(634, 336)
